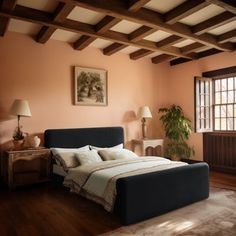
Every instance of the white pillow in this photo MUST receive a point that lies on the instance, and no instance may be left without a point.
(67, 160)
(60, 150)
(87, 157)
(119, 146)
(116, 154)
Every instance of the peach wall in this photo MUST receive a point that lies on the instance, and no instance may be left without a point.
(43, 74)
(181, 86)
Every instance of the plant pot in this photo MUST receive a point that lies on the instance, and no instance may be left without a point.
(18, 144)
(175, 158)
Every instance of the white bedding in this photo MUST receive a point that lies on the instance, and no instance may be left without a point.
(98, 181)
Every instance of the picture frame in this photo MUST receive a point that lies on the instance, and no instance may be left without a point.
(90, 86)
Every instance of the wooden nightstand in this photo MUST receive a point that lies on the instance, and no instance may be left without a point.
(145, 143)
(26, 167)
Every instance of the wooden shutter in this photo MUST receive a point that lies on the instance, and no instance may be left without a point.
(203, 104)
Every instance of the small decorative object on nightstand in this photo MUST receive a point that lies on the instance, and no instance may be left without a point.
(144, 113)
(26, 167)
(145, 143)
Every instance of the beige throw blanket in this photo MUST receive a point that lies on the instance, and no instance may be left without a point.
(97, 181)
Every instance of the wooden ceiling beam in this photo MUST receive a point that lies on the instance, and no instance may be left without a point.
(139, 54)
(228, 5)
(173, 39)
(162, 58)
(199, 55)
(183, 10)
(83, 42)
(102, 26)
(8, 6)
(113, 48)
(192, 47)
(213, 22)
(140, 33)
(60, 14)
(134, 5)
(148, 18)
(44, 18)
(227, 36)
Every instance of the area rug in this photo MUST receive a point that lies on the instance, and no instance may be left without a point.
(215, 216)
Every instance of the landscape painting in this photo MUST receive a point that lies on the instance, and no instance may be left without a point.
(90, 86)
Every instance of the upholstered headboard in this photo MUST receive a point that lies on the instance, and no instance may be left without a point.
(79, 137)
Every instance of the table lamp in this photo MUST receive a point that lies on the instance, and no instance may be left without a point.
(20, 108)
(144, 113)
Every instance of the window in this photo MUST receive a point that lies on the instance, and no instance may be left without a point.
(215, 102)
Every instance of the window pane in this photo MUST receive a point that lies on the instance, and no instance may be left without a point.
(230, 125)
(207, 100)
(223, 124)
(207, 86)
(234, 95)
(230, 96)
(217, 98)
(202, 123)
(202, 100)
(234, 110)
(217, 85)
(224, 97)
(230, 83)
(217, 124)
(202, 86)
(217, 111)
(234, 123)
(223, 111)
(229, 110)
(224, 84)
(202, 112)
(207, 123)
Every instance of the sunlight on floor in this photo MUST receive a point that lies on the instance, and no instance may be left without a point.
(176, 226)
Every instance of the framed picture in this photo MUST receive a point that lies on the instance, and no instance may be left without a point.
(90, 86)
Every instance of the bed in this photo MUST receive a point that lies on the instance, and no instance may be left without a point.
(141, 196)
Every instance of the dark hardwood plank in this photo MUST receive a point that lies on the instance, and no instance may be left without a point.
(83, 42)
(140, 33)
(134, 5)
(192, 47)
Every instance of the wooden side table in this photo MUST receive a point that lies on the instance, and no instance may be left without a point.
(145, 143)
(25, 167)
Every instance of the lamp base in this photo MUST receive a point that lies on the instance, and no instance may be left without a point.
(18, 144)
(144, 128)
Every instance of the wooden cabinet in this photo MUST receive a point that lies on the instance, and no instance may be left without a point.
(148, 143)
(26, 167)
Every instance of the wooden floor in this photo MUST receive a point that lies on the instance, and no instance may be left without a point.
(46, 210)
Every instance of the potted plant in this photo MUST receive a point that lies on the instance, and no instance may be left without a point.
(18, 138)
(177, 130)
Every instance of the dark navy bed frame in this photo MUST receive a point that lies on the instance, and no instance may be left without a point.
(142, 196)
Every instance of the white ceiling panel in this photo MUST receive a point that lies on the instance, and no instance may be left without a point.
(43, 5)
(224, 28)
(23, 27)
(66, 36)
(202, 15)
(129, 49)
(157, 36)
(85, 16)
(126, 27)
(163, 6)
(154, 54)
(184, 43)
(100, 43)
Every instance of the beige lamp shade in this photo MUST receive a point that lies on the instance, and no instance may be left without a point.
(144, 112)
(20, 108)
